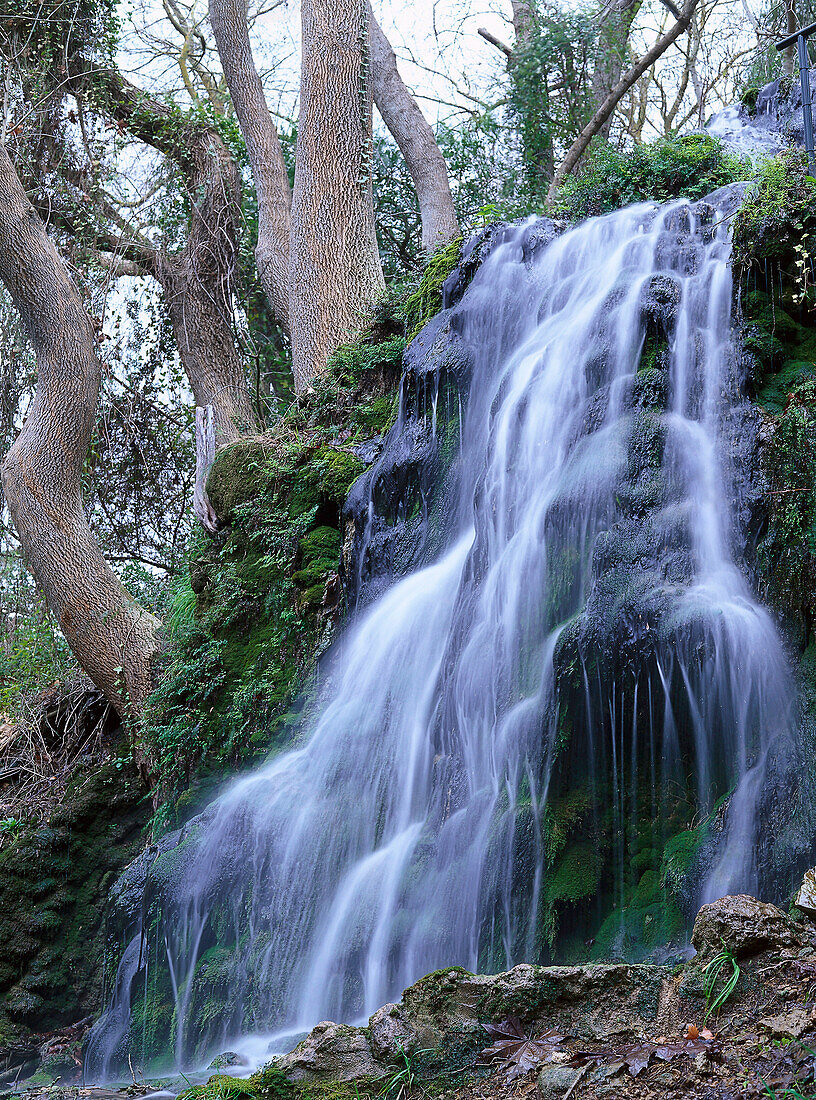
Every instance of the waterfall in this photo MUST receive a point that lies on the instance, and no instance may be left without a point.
(575, 653)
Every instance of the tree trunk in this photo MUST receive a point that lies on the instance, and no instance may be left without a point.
(789, 55)
(111, 636)
(629, 78)
(417, 143)
(198, 281)
(611, 52)
(335, 272)
(202, 327)
(229, 24)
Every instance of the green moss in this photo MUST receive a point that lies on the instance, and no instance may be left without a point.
(244, 628)
(787, 552)
(426, 299)
(239, 473)
(53, 886)
(576, 875)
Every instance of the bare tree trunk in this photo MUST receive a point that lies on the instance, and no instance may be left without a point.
(111, 636)
(629, 78)
(612, 48)
(789, 55)
(417, 143)
(205, 454)
(198, 280)
(229, 24)
(335, 272)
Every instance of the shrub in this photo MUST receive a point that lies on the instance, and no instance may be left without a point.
(777, 219)
(691, 166)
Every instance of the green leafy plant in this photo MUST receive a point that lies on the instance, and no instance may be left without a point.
(690, 166)
(725, 965)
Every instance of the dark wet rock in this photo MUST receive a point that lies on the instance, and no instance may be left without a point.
(659, 304)
(744, 926)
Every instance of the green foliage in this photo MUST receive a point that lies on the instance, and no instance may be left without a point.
(51, 33)
(258, 602)
(426, 299)
(777, 217)
(33, 655)
(724, 965)
(690, 166)
(560, 49)
(788, 550)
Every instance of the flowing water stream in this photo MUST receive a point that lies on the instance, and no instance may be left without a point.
(581, 631)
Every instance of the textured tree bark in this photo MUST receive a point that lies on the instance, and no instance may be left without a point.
(111, 636)
(229, 24)
(417, 143)
(335, 276)
(634, 73)
(612, 45)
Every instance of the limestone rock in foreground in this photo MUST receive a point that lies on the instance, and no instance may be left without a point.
(590, 1001)
(334, 1052)
(806, 898)
(744, 926)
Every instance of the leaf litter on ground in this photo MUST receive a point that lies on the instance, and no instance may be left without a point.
(518, 1053)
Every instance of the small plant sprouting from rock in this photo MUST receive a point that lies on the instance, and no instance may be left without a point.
(724, 963)
(401, 1083)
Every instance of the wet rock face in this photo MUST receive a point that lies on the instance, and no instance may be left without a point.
(745, 927)
(394, 518)
(763, 125)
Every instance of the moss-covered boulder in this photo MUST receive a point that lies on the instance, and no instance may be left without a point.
(239, 474)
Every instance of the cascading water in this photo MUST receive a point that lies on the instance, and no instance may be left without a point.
(524, 734)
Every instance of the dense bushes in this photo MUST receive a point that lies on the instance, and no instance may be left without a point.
(690, 166)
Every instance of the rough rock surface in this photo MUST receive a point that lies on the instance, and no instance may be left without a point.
(333, 1052)
(744, 926)
(591, 1001)
(806, 897)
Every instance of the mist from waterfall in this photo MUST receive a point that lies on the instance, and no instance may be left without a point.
(585, 626)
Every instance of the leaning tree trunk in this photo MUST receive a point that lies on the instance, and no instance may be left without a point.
(229, 24)
(199, 279)
(630, 77)
(335, 272)
(417, 143)
(110, 635)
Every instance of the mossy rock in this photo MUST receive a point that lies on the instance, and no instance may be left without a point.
(239, 474)
(577, 875)
(320, 545)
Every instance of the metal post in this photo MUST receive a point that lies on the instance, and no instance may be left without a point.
(807, 111)
(801, 37)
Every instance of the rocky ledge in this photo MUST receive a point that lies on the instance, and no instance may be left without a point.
(737, 1020)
